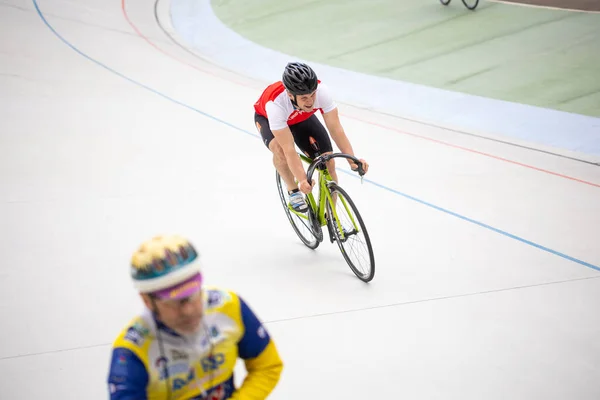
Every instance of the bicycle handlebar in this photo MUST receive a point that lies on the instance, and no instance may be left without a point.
(326, 157)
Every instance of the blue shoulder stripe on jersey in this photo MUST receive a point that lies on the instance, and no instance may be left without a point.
(256, 338)
(128, 378)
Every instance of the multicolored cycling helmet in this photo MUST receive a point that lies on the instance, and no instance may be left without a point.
(167, 267)
(299, 79)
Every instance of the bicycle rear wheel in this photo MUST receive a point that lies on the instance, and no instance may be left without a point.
(306, 226)
(353, 238)
(445, 2)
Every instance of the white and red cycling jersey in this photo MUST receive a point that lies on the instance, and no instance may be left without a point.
(275, 105)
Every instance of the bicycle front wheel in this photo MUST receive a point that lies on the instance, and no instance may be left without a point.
(445, 2)
(305, 225)
(471, 4)
(351, 234)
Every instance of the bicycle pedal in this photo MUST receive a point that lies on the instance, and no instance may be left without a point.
(347, 234)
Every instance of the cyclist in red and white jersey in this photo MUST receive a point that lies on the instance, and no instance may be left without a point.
(286, 112)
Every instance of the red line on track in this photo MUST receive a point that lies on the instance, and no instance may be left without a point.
(141, 35)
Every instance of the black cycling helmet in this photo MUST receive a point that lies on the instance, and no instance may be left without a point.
(299, 79)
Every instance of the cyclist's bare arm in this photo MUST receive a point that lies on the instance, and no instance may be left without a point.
(334, 126)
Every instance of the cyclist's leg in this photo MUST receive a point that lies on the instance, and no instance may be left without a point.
(312, 127)
(296, 198)
(279, 160)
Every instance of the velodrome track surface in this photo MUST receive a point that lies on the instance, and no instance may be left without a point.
(487, 257)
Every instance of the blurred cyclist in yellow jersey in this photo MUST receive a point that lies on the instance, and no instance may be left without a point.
(187, 341)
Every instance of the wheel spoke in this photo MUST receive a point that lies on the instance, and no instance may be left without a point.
(353, 240)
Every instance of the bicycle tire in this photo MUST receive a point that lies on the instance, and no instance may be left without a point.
(469, 6)
(445, 2)
(365, 277)
(313, 226)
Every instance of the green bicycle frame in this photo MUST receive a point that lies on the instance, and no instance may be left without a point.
(324, 195)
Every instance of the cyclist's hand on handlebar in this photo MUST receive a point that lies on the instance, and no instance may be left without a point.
(305, 187)
(354, 166)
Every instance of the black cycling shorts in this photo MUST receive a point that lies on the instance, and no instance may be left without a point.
(301, 131)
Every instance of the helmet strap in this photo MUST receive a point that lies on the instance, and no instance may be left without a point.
(294, 102)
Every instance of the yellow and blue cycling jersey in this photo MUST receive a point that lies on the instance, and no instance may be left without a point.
(150, 361)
